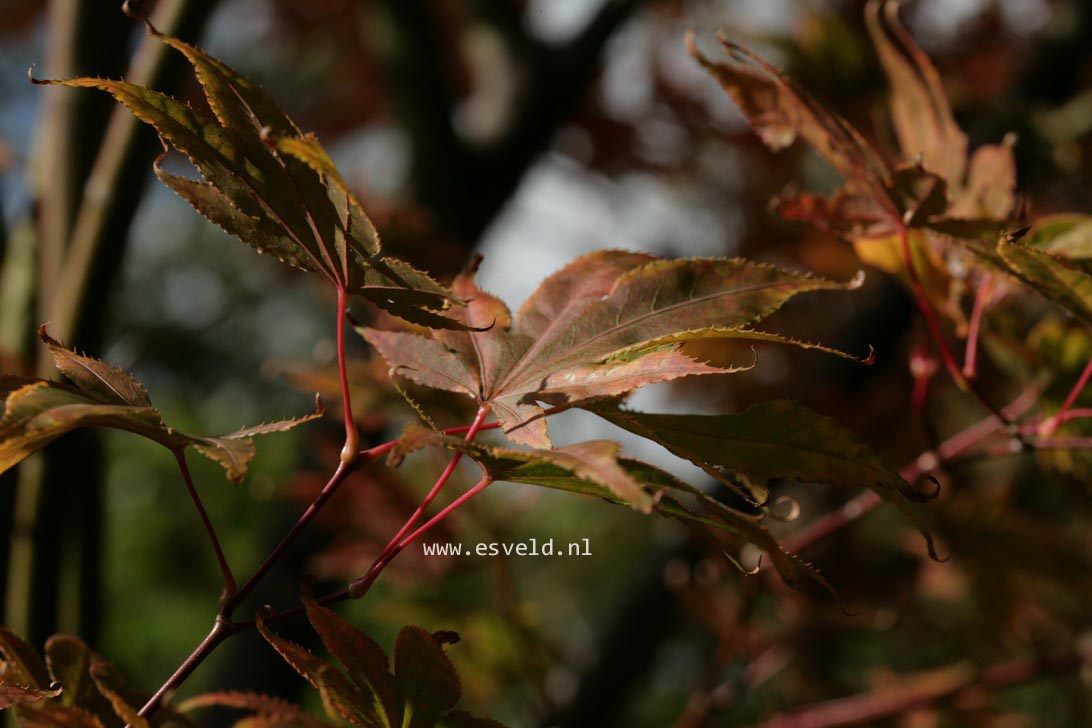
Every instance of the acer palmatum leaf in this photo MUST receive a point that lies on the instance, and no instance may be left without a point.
(272, 186)
(604, 325)
(38, 411)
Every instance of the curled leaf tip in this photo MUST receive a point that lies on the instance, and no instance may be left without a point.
(921, 494)
(853, 611)
(1014, 235)
(871, 358)
(754, 360)
(473, 264)
(130, 11)
(784, 508)
(857, 281)
(36, 81)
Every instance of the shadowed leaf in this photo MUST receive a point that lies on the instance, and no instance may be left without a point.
(14, 695)
(111, 686)
(268, 711)
(69, 660)
(771, 441)
(423, 688)
(364, 660)
(339, 697)
(38, 411)
(427, 682)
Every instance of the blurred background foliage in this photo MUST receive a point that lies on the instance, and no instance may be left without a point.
(533, 132)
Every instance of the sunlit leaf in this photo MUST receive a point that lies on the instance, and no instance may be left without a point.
(272, 186)
(604, 325)
(557, 469)
(1059, 278)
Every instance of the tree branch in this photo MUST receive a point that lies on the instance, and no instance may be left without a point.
(913, 692)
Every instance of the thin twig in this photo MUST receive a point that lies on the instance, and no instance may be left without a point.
(352, 439)
(937, 334)
(981, 301)
(475, 426)
(360, 587)
(1050, 425)
(924, 689)
(859, 506)
(221, 630)
(225, 569)
(308, 515)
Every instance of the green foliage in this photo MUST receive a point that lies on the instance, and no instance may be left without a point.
(272, 186)
(1053, 258)
(38, 411)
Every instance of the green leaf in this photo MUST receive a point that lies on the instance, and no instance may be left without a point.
(38, 411)
(1058, 278)
(604, 325)
(1067, 236)
(771, 441)
(427, 682)
(272, 186)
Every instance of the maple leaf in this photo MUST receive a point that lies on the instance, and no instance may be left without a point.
(1053, 257)
(777, 440)
(38, 411)
(272, 186)
(929, 187)
(73, 687)
(265, 711)
(596, 468)
(420, 692)
(604, 325)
